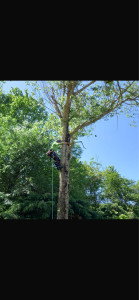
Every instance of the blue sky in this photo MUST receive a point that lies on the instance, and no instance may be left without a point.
(115, 146)
(112, 146)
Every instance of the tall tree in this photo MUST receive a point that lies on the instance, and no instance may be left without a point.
(119, 196)
(74, 106)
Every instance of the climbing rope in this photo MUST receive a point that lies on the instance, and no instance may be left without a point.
(52, 191)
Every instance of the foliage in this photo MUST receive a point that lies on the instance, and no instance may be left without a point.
(22, 107)
(24, 168)
(26, 133)
(100, 100)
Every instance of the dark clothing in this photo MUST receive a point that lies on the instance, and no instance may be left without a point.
(52, 154)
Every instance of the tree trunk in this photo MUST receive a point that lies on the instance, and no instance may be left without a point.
(63, 202)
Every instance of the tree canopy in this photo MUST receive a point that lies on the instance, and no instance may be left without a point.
(25, 170)
(86, 103)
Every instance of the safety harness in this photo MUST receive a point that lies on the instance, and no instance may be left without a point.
(52, 154)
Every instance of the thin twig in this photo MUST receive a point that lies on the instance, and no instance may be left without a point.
(83, 88)
(56, 104)
(80, 142)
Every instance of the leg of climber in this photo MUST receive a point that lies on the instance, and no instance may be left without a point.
(52, 154)
(57, 161)
(57, 164)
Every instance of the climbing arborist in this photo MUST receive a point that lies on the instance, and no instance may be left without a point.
(52, 153)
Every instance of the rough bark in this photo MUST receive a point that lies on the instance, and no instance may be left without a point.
(63, 202)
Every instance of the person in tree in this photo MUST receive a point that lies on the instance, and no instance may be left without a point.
(53, 154)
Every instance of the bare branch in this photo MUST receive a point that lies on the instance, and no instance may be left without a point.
(67, 106)
(50, 109)
(56, 104)
(119, 89)
(79, 91)
(48, 95)
(80, 142)
(133, 99)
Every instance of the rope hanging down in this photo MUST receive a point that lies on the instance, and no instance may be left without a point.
(52, 190)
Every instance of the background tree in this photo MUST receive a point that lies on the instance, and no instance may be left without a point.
(24, 173)
(117, 195)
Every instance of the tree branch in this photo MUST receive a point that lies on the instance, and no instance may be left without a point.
(119, 89)
(87, 123)
(56, 104)
(111, 108)
(67, 106)
(123, 91)
(79, 91)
